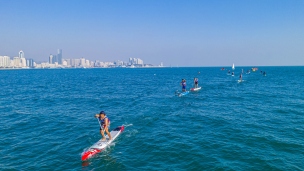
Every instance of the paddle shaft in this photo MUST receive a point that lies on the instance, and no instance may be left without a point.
(99, 123)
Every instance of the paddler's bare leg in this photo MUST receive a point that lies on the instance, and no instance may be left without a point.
(102, 134)
(109, 134)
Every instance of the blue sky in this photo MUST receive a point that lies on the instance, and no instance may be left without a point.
(184, 33)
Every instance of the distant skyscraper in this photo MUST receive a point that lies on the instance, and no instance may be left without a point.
(59, 56)
(55, 59)
(30, 63)
(22, 62)
(64, 63)
(139, 61)
(96, 63)
(16, 62)
(72, 62)
(67, 60)
(50, 59)
(5, 61)
(77, 62)
(82, 61)
(21, 54)
(87, 62)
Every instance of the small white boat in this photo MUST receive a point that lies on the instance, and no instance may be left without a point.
(233, 66)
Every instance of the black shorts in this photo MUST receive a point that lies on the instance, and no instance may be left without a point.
(103, 128)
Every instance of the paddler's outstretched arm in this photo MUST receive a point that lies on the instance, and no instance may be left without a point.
(97, 115)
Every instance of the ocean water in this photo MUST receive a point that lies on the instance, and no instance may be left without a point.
(47, 119)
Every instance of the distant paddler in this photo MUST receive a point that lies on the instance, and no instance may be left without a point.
(183, 84)
(104, 123)
(241, 77)
(195, 82)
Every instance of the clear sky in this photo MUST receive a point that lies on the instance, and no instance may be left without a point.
(184, 33)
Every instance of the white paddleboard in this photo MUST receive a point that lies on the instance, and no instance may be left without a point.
(196, 89)
(100, 145)
(183, 93)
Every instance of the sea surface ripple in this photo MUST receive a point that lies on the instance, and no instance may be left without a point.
(46, 119)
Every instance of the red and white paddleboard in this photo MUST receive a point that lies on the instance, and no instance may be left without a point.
(101, 145)
(196, 89)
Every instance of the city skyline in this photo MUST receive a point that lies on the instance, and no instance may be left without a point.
(184, 33)
(57, 61)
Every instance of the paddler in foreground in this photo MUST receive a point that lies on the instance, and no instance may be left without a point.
(104, 123)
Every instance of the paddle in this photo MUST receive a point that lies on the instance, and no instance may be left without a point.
(99, 122)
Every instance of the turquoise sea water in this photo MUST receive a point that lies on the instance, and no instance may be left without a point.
(46, 119)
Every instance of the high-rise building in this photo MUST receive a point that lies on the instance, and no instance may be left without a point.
(16, 62)
(12, 63)
(72, 62)
(27, 62)
(1, 61)
(87, 63)
(118, 63)
(59, 56)
(82, 61)
(5, 61)
(30, 63)
(50, 59)
(140, 62)
(96, 63)
(68, 61)
(77, 62)
(64, 63)
(55, 59)
(21, 54)
(22, 62)
(130, 61)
